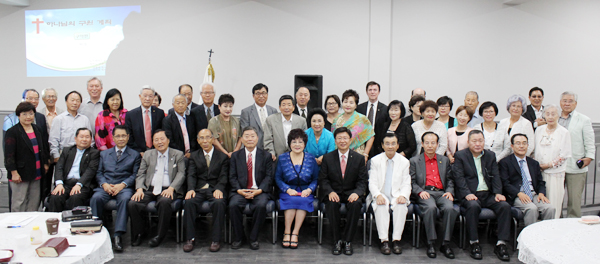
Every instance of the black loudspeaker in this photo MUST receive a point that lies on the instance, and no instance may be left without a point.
(314, 83)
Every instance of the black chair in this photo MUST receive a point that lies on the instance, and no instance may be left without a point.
(488, 215)
(315, 214)
(413, 219)
(272, 214)
(343, 212)
(205, 211)
(177, 206)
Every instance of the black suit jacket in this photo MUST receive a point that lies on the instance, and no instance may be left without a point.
(198, 174)
(87, 167)
(40, 121)
(135, 123)
(510, 172)
(19, 155)
(380, 119)
(200, 121)
(330, 175)
(308, 108)
(173, 131)
(465, 173)
(530, 114)
(238, 170)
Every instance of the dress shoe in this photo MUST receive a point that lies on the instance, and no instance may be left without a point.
(189, 245)
(476, 251)
(348, 248)
(118, 246)
(254, 245)
(431, 251)
(502, 252)
(385, 248)
(215, 246)
(447, 251)
(337, 248)
(155, 241)
(137, 240)
(236, 244)
(396, 248)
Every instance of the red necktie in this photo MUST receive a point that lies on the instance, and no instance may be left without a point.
(148, 129)
(343, 164)
(249, 165)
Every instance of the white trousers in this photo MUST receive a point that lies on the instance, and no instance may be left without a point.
(382, 219)
(555, 190)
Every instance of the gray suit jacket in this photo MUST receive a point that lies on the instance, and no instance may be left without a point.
(250, 117)
(176, 173)
(418, 173)
(274, 139)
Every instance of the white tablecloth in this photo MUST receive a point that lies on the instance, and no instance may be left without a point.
(18, 240)
(559, 241)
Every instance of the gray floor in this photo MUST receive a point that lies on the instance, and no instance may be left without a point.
(309, 250)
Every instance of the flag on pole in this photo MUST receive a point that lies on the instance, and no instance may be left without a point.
(209, 75)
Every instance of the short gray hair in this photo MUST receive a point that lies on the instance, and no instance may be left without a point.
(472, 93)
(208, 83)
(550, 106)
(569, 93)
(46, 90)
(186, 101)
(514, 98)
(147, 87)
(95, 78)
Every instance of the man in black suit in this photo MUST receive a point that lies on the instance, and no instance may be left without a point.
(75, 176)
(250, 177)
(374, 110)
(143, 121)
(180, 127)
(523, 183)
(343, 179)
(535, 109)
(302, 99)
(478, 185)
(207, 177)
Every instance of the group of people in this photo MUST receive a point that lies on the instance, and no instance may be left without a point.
(370, 152)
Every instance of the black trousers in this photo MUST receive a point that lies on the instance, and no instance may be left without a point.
(59, 203)
(258, 206)
(486, 199)
(332, 209)
(137, 212)
(192, 208)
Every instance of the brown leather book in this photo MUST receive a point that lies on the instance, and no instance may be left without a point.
(53, 247)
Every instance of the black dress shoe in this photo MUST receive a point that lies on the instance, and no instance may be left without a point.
(137, 240)
(215, 246)
(155, 241)
(348, 248)
(476, 251)
(236, 244)
(385, 248)
(502, 252)
(396, 248)
(447, 251)
(118, 246)
(337, 248)
(254, 245)
(189, 246)
(431, 251)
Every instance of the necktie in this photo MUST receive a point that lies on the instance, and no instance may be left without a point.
(187, 111)
(343, 165)
(208, 114)
(263, 117)
(526, 188)
(388, 179)
(207, 157)
(303, 113)
(249, 165)
(186, 139)
(158, 177)
(148, 129)
(370, 117)
(119, 152)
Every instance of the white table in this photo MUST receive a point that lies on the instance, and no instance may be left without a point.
(18, 240)
(559, 241)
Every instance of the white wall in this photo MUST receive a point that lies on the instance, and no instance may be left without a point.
(447, 47)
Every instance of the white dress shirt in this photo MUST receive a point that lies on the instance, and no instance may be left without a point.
(254, 186)
(165, 168)
(287, 125)
(300, 109)
(74, 173)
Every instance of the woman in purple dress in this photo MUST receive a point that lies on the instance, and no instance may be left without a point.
(296, 176)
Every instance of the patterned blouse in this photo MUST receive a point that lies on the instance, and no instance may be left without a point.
(105, 123)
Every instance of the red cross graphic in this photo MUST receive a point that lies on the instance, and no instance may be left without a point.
(37, 23)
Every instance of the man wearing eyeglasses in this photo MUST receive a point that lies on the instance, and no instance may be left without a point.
(535, 109)
(256, 114)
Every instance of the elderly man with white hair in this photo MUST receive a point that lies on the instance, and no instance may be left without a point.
(472, 101)
(515, 124)
(143, 121)
(583, 150)
(49, 96)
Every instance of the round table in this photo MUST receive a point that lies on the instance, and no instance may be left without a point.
(559, 241)
(17, 239)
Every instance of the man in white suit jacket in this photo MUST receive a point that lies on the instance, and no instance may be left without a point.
(256, 114)
(583, 150)
(278, 126)
(390, 187)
